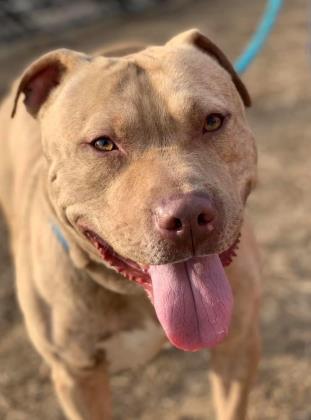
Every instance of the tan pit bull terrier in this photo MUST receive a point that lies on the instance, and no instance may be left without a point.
(124, 180)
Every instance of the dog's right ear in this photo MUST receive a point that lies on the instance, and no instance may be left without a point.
(198, 40)
(43, 75)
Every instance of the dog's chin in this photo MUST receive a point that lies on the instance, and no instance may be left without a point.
(135, 271)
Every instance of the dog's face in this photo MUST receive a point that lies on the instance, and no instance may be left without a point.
(150, 156)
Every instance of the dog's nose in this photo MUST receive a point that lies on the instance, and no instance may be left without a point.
(186, 215)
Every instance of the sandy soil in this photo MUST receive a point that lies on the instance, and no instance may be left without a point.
(175, 386)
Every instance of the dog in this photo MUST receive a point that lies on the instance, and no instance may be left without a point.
(124, 179)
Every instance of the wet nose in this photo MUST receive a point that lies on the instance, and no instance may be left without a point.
(186, 215)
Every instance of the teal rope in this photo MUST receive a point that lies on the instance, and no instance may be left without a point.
(259, 38)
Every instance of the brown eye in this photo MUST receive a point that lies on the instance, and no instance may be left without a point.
(104, 144)
(213, 122)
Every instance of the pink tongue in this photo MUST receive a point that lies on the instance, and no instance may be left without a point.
(193, 301)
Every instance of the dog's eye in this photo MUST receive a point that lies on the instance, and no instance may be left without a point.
(213, 122)
(103, 144)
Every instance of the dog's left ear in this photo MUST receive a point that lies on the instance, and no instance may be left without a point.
(194, 37)
(43, 75)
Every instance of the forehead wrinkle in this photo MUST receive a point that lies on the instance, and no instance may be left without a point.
(126, 74)
(145, 108)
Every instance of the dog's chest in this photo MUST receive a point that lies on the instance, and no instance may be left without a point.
(133, 348)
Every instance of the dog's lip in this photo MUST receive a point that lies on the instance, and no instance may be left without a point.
(133, 270)
(128, 268)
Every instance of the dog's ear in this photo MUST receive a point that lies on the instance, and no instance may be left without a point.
(194, 37)
(43, 75)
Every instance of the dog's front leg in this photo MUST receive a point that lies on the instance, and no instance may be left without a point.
(83, 395)
(234, 362)
(232, 372)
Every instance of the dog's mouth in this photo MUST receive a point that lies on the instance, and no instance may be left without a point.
(128, 268)
(193, 299)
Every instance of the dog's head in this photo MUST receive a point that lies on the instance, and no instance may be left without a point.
(150, 164)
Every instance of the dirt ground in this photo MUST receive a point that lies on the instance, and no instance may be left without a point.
(175, 386)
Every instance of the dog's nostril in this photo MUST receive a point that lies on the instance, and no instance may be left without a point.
(174, 224)
(204, 219)
(170, 223)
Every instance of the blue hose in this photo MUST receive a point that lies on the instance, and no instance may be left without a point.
(260, 36)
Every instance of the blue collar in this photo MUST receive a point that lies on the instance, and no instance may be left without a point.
(60, 236)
